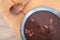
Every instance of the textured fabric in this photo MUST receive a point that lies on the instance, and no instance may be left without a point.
(5, 32)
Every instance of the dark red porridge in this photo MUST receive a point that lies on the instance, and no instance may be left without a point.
(42, 25)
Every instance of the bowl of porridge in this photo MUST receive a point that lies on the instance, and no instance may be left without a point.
(41, 23)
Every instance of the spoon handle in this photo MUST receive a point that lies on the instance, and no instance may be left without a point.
(25, 2)
(13, 1)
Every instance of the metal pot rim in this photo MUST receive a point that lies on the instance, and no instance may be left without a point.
(57, 13)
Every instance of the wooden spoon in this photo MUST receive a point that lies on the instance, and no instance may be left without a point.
(15, 9)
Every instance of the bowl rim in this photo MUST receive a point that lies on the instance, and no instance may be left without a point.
(57, 13)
